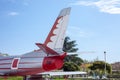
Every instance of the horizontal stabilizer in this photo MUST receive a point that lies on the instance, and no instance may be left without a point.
(46, 49)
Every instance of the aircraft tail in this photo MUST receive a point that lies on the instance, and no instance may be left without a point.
(56, 36)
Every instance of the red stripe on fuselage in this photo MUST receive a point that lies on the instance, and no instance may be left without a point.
(22, 68)
(21, 63)
(28, 71)
(4, 63)
(6, 59)
(20, 58)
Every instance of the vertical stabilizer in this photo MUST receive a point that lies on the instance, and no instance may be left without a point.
(56, 36)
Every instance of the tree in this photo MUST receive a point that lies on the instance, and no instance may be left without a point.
(98, 67)
(71, 60)
(70, 66)
(69, 46)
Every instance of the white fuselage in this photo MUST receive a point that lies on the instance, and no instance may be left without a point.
(20, 65)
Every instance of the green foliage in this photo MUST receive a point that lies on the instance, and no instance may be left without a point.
(69, 46)
(74, 59)
(69, 66)
(72, 62)
(100, 65)
(12, 78)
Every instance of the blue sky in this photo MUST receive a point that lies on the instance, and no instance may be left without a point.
(94, 24)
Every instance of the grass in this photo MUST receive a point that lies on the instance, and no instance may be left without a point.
(12, 78)
(21, 78)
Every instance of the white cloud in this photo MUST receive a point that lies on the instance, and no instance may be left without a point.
(106, 6)
(13, 13)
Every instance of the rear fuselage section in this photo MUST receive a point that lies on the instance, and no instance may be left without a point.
(28, 64)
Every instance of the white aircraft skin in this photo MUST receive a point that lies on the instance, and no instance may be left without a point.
(49, 57)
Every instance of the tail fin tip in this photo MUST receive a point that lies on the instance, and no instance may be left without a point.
(65, 11)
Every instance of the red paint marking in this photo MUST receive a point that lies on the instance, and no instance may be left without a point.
(31, 57)
(28, 72)
(4, 63)
(20, 63)
(5, 68)
(28, 68)
(21, 68)
(51, 32)
(51, 63)
(15, 63)
(6, 59)
(28, 62)
(20, 57)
